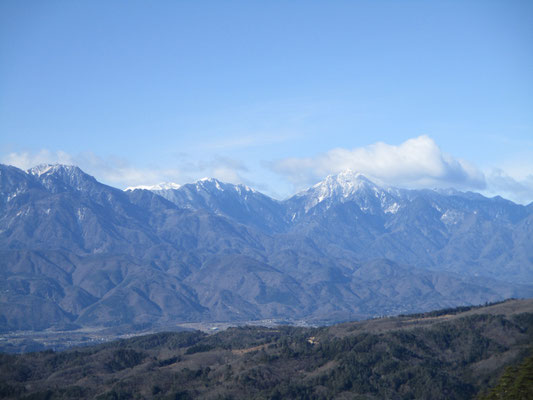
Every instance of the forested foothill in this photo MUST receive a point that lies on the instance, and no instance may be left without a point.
(465, 353)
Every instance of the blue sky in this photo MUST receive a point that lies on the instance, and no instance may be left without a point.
(276, 94)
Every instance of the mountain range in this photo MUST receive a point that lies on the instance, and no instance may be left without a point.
(77, 253)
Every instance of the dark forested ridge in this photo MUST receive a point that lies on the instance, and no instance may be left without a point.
(452, 354)
(75, 253)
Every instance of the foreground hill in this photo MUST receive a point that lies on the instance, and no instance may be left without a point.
(449, 354)
(75, 253)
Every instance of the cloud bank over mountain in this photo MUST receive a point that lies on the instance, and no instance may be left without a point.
(417, 162)
(518, 189)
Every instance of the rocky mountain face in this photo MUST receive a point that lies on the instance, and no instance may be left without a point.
(75, 252)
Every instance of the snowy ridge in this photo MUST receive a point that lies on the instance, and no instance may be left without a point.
(205, 183)
(51, 168)
(223, 186)
(347, 186)
(159, 186)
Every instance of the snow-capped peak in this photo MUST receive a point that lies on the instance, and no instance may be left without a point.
(350, 186)
(222, 186)
(159, 186)
(60, 177)
(342, 185)
(347, 182)
(51, 168)
(207, 182)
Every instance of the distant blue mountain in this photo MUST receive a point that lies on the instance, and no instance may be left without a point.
(75, 252)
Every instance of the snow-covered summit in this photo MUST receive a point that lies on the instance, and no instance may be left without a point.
(350, 186)
(343, 185)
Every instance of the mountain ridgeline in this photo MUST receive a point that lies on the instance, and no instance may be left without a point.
(78, 253)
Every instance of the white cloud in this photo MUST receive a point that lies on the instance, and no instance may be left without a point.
(517, 189)
(26, 160)
(228, 170)
(416, 163)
